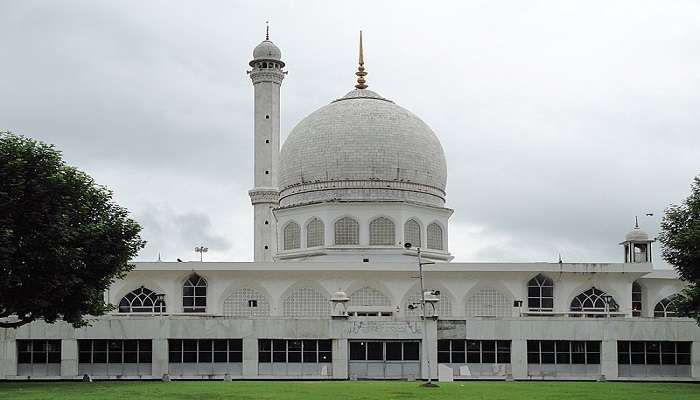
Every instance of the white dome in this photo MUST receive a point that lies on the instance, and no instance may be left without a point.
(637, 235)
(362, 147)
(267, 50)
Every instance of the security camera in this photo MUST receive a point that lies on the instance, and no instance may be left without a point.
(407, 245)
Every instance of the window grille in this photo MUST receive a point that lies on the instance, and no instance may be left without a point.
(246, 302)
(489, 302)
(292, 236)
(194, 294)
(306, 302)
(141, 300)
(315, 235)
(294, 351)
(540, 293)
(664, 308)
(204, 351)
(38, 351)
(347, 231)
(443, 308)
(434, 236)
(474, 351)
(101, 351)
(563, 352)
(368, 296)
(380, 350)
(382, 232)
(592, 300)
(653, 353)
(411, 233)
(636, 299)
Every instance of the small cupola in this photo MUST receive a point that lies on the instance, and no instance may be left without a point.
(637, 245)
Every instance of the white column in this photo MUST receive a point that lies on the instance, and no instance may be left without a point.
(518, 358)
(8, 356)
(69, 358)
(340, 358)
(159, 356)
(250, 357)
(608, 359)
(695, 359)
(265, 194)
(429, 350)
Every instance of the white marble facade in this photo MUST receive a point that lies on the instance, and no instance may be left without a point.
(332, 290)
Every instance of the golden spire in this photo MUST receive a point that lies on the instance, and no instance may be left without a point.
(361, 69)
(267, 30)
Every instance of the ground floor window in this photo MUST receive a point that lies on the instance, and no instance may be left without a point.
(39, 351)
(205, 350)
(474, 351)
(101, 351)
(653, 353)
(294, 351)
(563, 352)
(384, 351)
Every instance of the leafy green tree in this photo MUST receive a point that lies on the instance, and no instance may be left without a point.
(62, 239)
(680, 237)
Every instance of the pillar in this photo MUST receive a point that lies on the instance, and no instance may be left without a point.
(160, 357)
(429, 349)
(695, 360)
(250, 357)
(518, 358)
(608, 359)
(340, 358)
(69, 358)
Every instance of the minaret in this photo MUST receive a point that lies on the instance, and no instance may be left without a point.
(267, 76)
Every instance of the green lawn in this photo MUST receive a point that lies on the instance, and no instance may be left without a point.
(345, 390)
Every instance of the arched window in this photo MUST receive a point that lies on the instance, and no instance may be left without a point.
(382, 232)
(306, 302)
(141, 300)
(315, 233)
(636, 299)
(292, 236)
(489, 302)
(540, 294)
(194, 294)
(664, 308)
(347, 231)
(411, 233)
(246, 302)
(368, 296)
(593, 300)
(443, 308)
(434, 236)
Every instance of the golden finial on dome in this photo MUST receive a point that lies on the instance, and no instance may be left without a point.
(267, 30)
(361, 69)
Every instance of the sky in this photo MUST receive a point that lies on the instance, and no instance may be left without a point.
(560, 120)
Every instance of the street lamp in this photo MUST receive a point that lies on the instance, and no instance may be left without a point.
(160, 301)
(425, 320)
(201, 250)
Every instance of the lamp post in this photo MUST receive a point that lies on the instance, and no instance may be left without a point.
(201, 250)
(160, 301)
(422, 307)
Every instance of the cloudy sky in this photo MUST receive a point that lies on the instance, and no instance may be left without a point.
(560, 120)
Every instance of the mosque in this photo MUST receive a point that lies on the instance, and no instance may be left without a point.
(352, 279)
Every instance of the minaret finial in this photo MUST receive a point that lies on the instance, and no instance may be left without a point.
(636, 222)
(361, 68)
(267, 30)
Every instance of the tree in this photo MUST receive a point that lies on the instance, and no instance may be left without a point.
(63, 241)
(680, 239)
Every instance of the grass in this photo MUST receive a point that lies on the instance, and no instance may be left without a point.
(346, 390)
